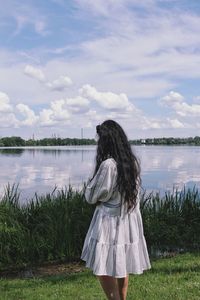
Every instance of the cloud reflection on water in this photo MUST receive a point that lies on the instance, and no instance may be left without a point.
(169, 167)
(40, 170)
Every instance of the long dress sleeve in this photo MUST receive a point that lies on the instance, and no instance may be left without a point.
(100, 188)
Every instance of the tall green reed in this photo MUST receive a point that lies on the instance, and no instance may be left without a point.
(12, 231)
(47, 227)
(172, 222)
(53, 226)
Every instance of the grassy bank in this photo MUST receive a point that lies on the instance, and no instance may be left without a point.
(53, 226)
(176, 278)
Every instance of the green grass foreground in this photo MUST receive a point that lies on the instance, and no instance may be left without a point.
(176, 278)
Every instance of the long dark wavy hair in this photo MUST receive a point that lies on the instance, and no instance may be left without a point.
(113, 142)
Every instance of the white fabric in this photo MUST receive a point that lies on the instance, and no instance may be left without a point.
(115, 244)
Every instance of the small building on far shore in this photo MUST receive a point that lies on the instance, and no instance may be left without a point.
(143, 141)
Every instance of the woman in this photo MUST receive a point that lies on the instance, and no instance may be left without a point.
(115, 245)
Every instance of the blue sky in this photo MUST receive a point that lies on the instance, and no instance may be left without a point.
(67, 65)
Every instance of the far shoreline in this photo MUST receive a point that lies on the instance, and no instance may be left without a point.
(16, 141)
(89, 145)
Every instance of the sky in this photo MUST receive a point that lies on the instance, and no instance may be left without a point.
(71, 64)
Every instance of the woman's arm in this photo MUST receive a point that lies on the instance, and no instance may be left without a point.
(100, 188)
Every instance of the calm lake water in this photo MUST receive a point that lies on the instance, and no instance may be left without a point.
(39, 169)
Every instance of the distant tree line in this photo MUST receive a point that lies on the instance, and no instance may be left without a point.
(168, 141)
(16, 141)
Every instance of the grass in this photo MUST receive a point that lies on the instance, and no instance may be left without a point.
(176, 278)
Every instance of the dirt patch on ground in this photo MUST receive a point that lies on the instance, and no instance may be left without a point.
(47, 269)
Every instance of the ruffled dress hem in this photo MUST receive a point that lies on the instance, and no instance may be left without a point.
(102, 258)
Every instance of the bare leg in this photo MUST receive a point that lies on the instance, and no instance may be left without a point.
(123, 287)
(110, 287)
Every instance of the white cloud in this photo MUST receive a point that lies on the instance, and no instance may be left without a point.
(105, 7)
(59, 113)
(7, 116)
(97, 7)
(100, 73)
(5, 106)
(55, 114)
(77, 101)
(182, 108)
(175, 123)
(46, 117)
(185, 109)
(93, 115)
(30, 117)
(146, 123)
(34, 73)
(8, 120)
(107, 100)
(172, 98)
(197, 99)
(77, 104)
(60, 84)
(88, 124)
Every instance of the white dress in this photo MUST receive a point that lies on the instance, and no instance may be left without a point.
(115, 244)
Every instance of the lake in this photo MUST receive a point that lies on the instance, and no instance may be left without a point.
(40, 169)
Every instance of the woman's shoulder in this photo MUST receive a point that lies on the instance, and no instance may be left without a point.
(110, 161)
(108, 164)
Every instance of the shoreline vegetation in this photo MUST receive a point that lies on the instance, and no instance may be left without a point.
(16, 141)
(53, 226)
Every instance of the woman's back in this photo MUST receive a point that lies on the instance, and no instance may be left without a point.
(115, 245)
(106, 178)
